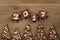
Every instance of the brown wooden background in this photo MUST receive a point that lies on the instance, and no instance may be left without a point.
(7, 8)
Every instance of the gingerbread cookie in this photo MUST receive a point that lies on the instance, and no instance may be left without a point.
(16, 17)
(43, 14)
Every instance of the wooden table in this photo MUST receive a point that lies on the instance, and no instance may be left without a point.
(7, 8)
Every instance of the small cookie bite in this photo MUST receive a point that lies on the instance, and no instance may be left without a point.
(26, 13)
(34, 17)
(15, 17)
(43, 14)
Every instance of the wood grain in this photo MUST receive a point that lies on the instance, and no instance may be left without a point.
(7, 8)
(28, 1)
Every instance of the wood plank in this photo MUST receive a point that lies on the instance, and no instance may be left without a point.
(6, 11)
